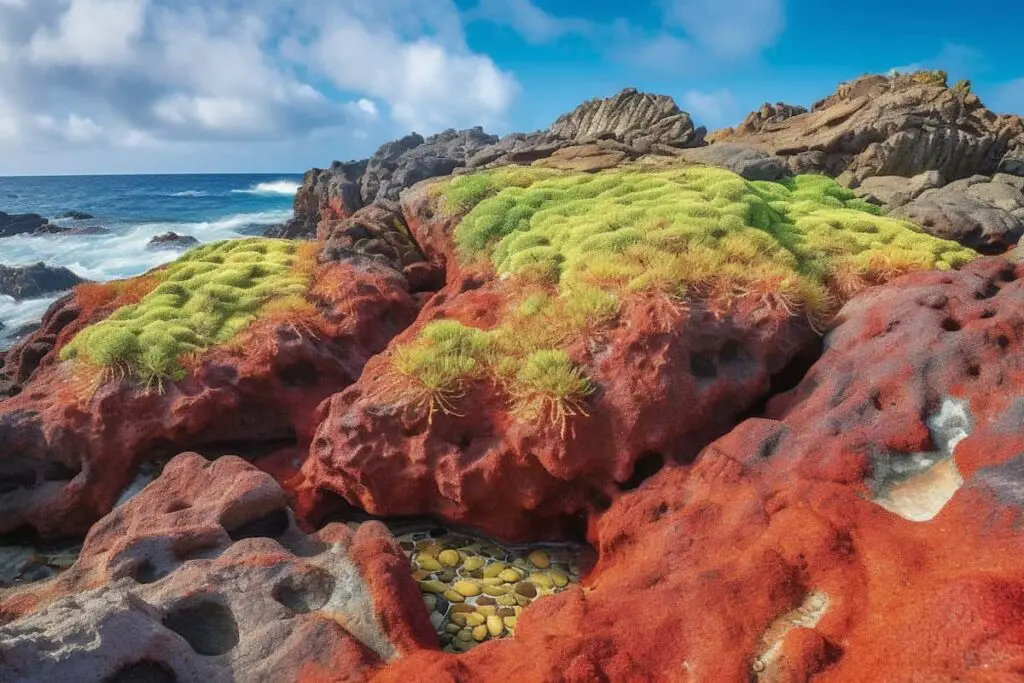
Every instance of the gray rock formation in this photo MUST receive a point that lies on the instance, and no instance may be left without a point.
(25, 224)
(28, 282)
(752, 164)
(633, 118)
(172, 240)
(895, 191)
(324, 194)
(979, 212)
(900, 125)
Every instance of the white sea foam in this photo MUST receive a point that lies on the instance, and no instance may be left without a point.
(276, 187)
(190, 193)
(122, 253)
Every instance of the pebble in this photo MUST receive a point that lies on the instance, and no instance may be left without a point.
(542, 580)
(430, 601)
(496, 581)
(492, 570)
(459, 619)
(463, 609)
(475, 619)
(526, 589)
(511, 576)
(449, 558)
(466, 588)
(540, 559)
(433, 587)
(453, 596)
(473, 563)
(510, 622)
(560, 578)
(480, 634)
(486, 600)
(507, 600)
(495, 626)
(496, 591)
(420, 574)
(487, 610)
(464, 635)
(506, 612)
(436, 620)
(453, 628)
(428, 563)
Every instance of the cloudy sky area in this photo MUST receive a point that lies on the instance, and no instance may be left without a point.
(129, 86)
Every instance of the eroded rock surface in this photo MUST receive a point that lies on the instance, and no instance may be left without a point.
(880, 126)
(204, 577)
(27, 282)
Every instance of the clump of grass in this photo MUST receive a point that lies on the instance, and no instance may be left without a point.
(203, 299)
(581, 244)
(549, 387)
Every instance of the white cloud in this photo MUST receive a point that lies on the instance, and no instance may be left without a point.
(136, 74)
(530, 21)
(91, 33)
(712, 109)
(728, 29)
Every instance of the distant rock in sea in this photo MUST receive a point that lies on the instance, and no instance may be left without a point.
(75, 215)
(34, 281)
(172, 240)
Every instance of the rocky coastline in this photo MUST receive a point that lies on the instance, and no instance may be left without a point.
(619, 400)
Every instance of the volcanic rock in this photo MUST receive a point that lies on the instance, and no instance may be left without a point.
(28, 282)
(325, 194)
(172, 240)
(881, 126)
(204, 576)
(76, 215)
(25, 224)
(749, 163)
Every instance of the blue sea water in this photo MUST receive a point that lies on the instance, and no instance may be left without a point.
(134, 209)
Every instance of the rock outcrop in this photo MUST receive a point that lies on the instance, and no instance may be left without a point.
(25, 224)
(596, 135)
(204, 576)
(172, 240)
(878, 125)
(27, 282)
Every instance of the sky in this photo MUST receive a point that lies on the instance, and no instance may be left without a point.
(274, 86)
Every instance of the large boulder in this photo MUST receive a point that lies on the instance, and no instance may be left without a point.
(982, 213)
(28, 282)
(325, 194)
(636, 119)
(73, 438)
(204, 577)
(877, 125)
(751, 164)
(868, 532)
(25, 224)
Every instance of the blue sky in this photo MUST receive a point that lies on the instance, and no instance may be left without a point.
(121, 86)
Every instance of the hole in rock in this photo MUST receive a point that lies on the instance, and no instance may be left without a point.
(730, 351)
(146, 572)
(306, 591)
(1008, 274)
(950, 325)
(647, 465)
(991, 289)
(988, 313)
(176, 506)
(268, 526)
(789, 377)
(59, 471)
(143, 672)
(702, 365)
(1003, 341)
(974, 370)
(208, 627)
(253, 450)
(16, 477)
(299, 374)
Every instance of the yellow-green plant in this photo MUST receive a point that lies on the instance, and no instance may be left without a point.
(204, 298)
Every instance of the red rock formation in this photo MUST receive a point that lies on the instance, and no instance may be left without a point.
(204, 576)
(70, 449)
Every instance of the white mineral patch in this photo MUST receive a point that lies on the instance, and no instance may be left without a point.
(918, 486)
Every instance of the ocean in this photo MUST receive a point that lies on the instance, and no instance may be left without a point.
(134, 209)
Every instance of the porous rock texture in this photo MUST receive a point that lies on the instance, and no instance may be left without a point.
(391, 457)
(27, 282)
(25, 224)
(607, 131)
(204, 577)
(71, 447)
(887, 125)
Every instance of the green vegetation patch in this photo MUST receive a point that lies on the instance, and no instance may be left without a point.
(584, 242)
(204, 298)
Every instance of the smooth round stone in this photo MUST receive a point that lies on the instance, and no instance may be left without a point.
(436, 620)
(463, 609)
(420, 575)
(466, 588)
(539, 559)
(454, 596)
(475, 619)
(506, 612)
(560, 579)
(473, 563)
(448, 575)
(464, 635)
(459, 619)
(496, 591)
(430, 601)
(487, 610)
(449, 558)
(453, 628)
(521, 601)
(510, 622)
(526, 589)
(430, 548)
(495, 626)
(428, 563)
(492, 570)
(506, 600)
(486, 600)
(496, 581)
(542, 580)
(433, 587)
(480, 634)
(510, 576)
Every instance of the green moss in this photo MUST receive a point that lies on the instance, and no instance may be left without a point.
(586, 241)
(206, 297)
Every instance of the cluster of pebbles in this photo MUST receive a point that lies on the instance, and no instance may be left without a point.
(476, 589)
